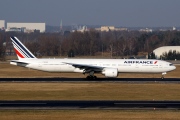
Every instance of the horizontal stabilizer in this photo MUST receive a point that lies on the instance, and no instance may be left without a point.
(23, 64)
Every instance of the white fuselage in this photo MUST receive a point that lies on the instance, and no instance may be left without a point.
(123, 65)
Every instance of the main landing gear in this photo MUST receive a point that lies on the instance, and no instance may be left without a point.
(164, 73)
(91, 76)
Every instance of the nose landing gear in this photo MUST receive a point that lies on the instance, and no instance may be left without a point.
(163, 74)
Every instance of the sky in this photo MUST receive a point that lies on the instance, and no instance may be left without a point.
(120, 13)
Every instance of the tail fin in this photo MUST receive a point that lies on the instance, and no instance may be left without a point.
(21, 51)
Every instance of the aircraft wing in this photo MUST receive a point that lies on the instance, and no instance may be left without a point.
(86, 68)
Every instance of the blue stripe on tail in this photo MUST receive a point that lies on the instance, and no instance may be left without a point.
(19, 45)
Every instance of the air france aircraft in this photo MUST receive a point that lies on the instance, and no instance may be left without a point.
(108, 67)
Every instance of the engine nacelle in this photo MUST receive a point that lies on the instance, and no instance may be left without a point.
(110, 72)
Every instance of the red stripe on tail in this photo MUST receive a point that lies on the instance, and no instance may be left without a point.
(18, 53)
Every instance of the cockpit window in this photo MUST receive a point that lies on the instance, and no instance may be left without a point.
(170, 64)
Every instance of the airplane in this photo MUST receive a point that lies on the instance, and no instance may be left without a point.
(108, 67)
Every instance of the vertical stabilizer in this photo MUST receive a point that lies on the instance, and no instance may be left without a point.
(21, 51)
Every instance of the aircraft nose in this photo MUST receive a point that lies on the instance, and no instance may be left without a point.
(174, 67)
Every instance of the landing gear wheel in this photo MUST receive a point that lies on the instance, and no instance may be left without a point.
(88, 77)
(91, 77)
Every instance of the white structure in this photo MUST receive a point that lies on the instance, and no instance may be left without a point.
(107, 28)
(2, 24)
(174, 28)
(27, 26)
(110, 28)
(159, 51)
(146, 30)
(83, 29)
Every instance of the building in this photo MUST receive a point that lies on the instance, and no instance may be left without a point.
(81, 29)
(2, 24)
(169, 29)
(107, 28)
(26, 27)
(146, 30)
(159, 51)
(110, 28)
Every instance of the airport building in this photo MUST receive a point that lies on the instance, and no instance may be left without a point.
(165, 49)
(26, 27)
(2, 24)
(110, 28)
(107, 28)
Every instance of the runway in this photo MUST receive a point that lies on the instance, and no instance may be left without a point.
(86, 80)
(94, 104)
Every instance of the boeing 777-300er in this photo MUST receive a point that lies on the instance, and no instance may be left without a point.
(108, 67)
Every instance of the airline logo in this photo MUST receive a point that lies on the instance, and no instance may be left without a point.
(139, 62)
(20, 49)
(155, 62)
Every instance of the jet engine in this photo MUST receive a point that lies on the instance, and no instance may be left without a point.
(110, 72)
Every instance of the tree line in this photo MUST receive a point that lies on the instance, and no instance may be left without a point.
(116, 43)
